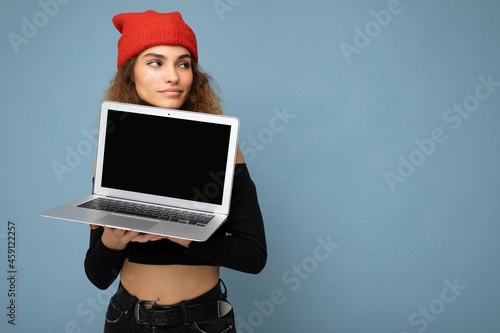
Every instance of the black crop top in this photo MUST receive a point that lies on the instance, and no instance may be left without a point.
(239, 244)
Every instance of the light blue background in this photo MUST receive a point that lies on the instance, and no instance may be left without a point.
(320, 171)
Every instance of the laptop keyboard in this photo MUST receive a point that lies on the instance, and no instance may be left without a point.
(149, 211)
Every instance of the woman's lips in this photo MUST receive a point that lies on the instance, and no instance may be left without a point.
(173, 92)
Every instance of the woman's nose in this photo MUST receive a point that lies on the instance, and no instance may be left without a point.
(170, 75)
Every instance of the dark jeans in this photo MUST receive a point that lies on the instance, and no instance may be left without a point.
(121, 319)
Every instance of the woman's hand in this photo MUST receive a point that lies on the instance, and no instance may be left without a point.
(180, 241)
(117, 239)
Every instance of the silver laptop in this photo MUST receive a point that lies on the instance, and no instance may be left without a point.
(159, 171)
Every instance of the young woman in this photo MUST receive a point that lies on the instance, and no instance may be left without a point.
(169, 284)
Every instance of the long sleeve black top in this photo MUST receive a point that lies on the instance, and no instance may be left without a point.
(239, 244)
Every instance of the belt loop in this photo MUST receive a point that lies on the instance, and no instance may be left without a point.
(124, 297)
(225, 289)
(184, 312)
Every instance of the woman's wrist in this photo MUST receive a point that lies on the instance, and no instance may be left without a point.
(182, 242)
(112, 243)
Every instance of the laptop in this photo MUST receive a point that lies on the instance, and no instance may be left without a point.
(159, 171)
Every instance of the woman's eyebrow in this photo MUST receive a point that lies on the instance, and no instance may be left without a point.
(161, 56)
(154, 55)
(184, 56)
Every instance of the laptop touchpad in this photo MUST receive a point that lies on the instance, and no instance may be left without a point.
(125, 222)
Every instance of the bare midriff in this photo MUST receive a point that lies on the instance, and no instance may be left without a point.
(167, 284)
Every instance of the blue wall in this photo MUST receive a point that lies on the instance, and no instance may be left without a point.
(371, 129)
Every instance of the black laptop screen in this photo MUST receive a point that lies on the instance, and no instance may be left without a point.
(165, 156)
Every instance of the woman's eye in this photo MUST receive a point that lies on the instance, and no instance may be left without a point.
(154, 63)
(185, 65)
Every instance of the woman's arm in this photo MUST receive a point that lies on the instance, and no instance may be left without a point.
(107, 251)
(240, 244)
(102, 264)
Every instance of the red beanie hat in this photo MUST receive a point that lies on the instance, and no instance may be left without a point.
(143, 30)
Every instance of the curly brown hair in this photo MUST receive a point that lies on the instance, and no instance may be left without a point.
(201, 98)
